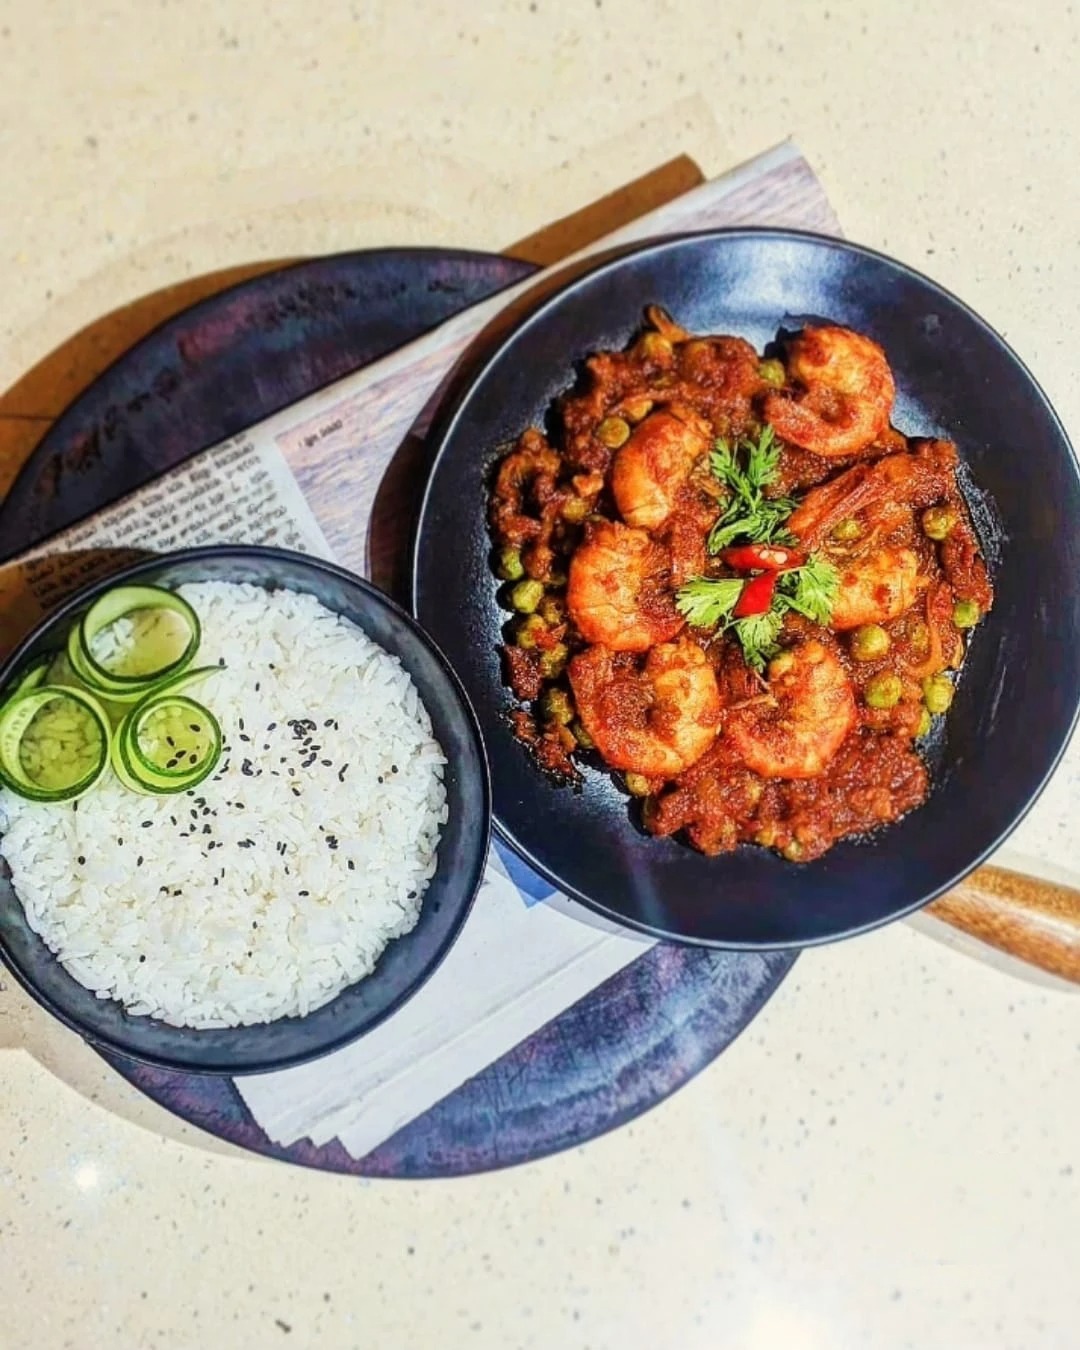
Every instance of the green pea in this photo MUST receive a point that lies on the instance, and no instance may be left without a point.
(925, 723)
(655, 347)
(510, 566)
(552, 610)
(883, 691)
(582, 736)
(847, 531)
(637, 784)
(613, 432)
(772, 372)
(574, 510)
(634, 409)
(526, 595)
(966, 614)
(870, 642)
(938, 693)
(938, 522)
(553, 661)
(529, 631)
(556, 706)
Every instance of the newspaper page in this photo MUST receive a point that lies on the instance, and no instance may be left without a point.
(547, 952)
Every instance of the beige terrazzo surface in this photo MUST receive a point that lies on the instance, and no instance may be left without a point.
(888, 1156)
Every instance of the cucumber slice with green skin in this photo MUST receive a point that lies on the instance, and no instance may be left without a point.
(165, 639)
(54, 743)
(34, 675)
(167, 743)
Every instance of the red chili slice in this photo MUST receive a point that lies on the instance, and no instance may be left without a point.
(756, 596)
(762, 557)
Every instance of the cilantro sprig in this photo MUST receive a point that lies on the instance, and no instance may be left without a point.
(746, 469)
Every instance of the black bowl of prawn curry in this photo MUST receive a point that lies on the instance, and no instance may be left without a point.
(1017, 697)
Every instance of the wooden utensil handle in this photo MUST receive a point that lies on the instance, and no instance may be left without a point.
(1034, 920)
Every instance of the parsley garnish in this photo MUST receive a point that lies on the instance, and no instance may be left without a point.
(704, 602)
(757, 636)
(746, 469)
(810, 589)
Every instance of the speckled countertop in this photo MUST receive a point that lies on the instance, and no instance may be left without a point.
(888, 1157)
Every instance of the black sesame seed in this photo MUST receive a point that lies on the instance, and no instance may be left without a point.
(240, 723)
(245, 738)
(270, 726)
(257, 686)
(329, 722)
(393, 768)
(352, 866)
(342, 772)
(146, 824)
(380, 778)
(81, 860)
(206, 829)
(119, 842)
(142, 958)
(173, 819)
(326, 763)
(139, 860)
(296, 792)
(303, 893)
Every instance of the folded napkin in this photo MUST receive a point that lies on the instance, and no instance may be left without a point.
(519, 962)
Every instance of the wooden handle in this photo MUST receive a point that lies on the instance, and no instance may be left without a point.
(1034, 920)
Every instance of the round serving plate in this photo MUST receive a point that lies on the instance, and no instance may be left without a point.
(223, 365)
(1017, 697)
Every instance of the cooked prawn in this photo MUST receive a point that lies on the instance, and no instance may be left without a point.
(653, 465)
(797, 729)
(655, 718)
(619, 589)
(875, 588)
(915, 480)
(844, 397)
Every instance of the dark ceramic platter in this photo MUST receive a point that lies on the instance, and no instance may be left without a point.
(218, 367)
(1018, 695)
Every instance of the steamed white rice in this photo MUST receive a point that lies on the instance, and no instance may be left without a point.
(277, 882)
